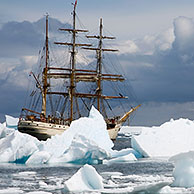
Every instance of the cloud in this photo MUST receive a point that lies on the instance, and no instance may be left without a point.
(24, 38)
(20, 43)
(148, 44)
(160, 67)
(183, 30)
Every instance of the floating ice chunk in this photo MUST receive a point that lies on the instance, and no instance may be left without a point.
(175, 190)
(39, 157)
(125, 155)
(150, 188)
(11, 191)
(11, 121)
(86, 179)
(169, 139)
(130, 130)
(184, 169)
(123, 152)
(125, 158)
(17, 146)
(86, 139)
(82, 151)
(39, 192)
(112, 173)
(50, 187)
(8, 127)
(2, 130)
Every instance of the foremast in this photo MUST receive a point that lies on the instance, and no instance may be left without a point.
(45, 71)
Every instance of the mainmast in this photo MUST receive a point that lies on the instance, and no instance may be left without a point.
(99, 70)
(72, 78)
(45, 70)
(99, 51)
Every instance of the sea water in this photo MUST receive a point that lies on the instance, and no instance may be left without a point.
(117, 177)
(145, 175)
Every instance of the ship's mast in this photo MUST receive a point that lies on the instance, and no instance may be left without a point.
(73, 44)
(45, 84)
(99, 70)
(83, 75)
(99, 51)
(72, 78)
(75, 75)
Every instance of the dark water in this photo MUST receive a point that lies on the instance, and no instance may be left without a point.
(23, 179)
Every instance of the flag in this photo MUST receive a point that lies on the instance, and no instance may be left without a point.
(75, 4)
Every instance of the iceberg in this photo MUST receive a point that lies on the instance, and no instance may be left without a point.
(125, 158)
(17, 147)
(11, 122)
(8, 127)
(123, 152)
(2, 130)
(86, 179)
(86, 141)
(129, 131)
(184, 169)
(169, 139)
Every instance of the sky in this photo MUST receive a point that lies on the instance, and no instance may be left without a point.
(155, 40)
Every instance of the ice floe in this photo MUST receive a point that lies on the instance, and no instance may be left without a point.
(86, 179)
(125, 158)
(11, 122)
(184, 169)
(169, 139)
(17, 146)
(11, 191)
(129, 131)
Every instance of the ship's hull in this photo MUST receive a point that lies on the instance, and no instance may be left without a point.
(43, 131)
(113, 132)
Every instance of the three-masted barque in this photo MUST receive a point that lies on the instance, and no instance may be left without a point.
(43, 125)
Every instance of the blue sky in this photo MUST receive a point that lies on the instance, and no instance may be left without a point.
(155, 39)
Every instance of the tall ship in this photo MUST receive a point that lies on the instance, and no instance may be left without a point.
(59, 106)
